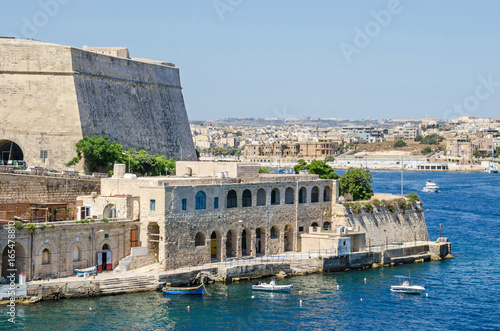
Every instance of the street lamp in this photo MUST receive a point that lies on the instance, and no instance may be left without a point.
(128, 161)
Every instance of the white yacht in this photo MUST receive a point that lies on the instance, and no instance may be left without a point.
(406, 287)
(492, 169)
(430, 186)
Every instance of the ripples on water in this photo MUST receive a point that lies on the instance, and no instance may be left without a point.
(463, 292)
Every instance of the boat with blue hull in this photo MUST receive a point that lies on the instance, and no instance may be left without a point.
(90, 271)
(184, 290)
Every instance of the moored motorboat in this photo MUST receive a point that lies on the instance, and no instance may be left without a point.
(90, 271)
(406, 287)
(430, 186)
(272, 286)
(183, 290)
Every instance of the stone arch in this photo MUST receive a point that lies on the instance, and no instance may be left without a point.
(215, 245)
(46, 256)
(246, 198)
(200, 200)
(261, 197)
(275, 196)
(20, 260)
(315, 194)
(246, 240)
(327, 226)
(10, 153)
(136, 210)
(314, 226)
(199, 239)
(327, 194)
(232, 199)
(302, 195)
(109, 211)
(289, 196)
(288, 238)
(81, 246)
(260, 240)
(275, 232)
(231, 238)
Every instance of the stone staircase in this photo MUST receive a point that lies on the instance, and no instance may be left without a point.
(128, 284)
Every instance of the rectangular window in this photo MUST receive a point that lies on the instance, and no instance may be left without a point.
(216, 203)
(43, 155)
(152, 205)
(184, 204)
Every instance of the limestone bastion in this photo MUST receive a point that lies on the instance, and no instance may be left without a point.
(52, 95)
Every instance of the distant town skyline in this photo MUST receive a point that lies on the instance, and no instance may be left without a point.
(287, 59)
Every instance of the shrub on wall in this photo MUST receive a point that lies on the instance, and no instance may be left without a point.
(19, 225)
(368, 207)
(32, 227)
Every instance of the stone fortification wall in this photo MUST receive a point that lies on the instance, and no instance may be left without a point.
(25, 188)
(52, 95)
(138, 104)
(391, 227)
(38, 101)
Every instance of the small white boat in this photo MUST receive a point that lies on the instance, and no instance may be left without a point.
(406, 287)
(430, 186)
(90, 271)
(272, 287)
(492, 169)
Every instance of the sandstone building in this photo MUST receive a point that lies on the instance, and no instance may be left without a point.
(52, 95)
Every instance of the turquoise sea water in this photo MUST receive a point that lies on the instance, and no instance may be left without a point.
(463, 293)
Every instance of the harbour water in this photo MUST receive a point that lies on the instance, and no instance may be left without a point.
(462, 293)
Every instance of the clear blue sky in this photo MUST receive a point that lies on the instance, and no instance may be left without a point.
(290, 58)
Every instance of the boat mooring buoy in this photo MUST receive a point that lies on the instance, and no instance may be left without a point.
(301, 303)
(365, 280)
(188, 308)
(253, 296)
(338, 287)
(170, 301)
(426, 294)
(300, 292)
(361, 299)
(90, 308)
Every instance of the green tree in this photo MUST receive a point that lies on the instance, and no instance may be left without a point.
(399, 143)
(418, 138)
(99, 154)
(426, 150)
(357, 182)
(143, 163)
(264, 170)
(432, 139)
(329, 158)
(316, 167)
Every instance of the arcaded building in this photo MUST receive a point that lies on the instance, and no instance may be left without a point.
(53, 95)
(216, 211)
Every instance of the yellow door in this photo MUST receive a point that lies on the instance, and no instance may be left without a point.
(213, 247)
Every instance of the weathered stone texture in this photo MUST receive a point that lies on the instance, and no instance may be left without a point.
(51, 96)
(25, 188)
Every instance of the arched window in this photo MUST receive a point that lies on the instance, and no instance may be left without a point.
(200, 200)
(199, 239)
(327, 226)
(232, 199)
(109, 211)
(46, 256)
(315, 194)
(275, 196)
(77, 254)
(327, 194)
(261, 197)
(275, 232)
(105, 247)
(289, 198)
(247, 198)
(302, 195)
